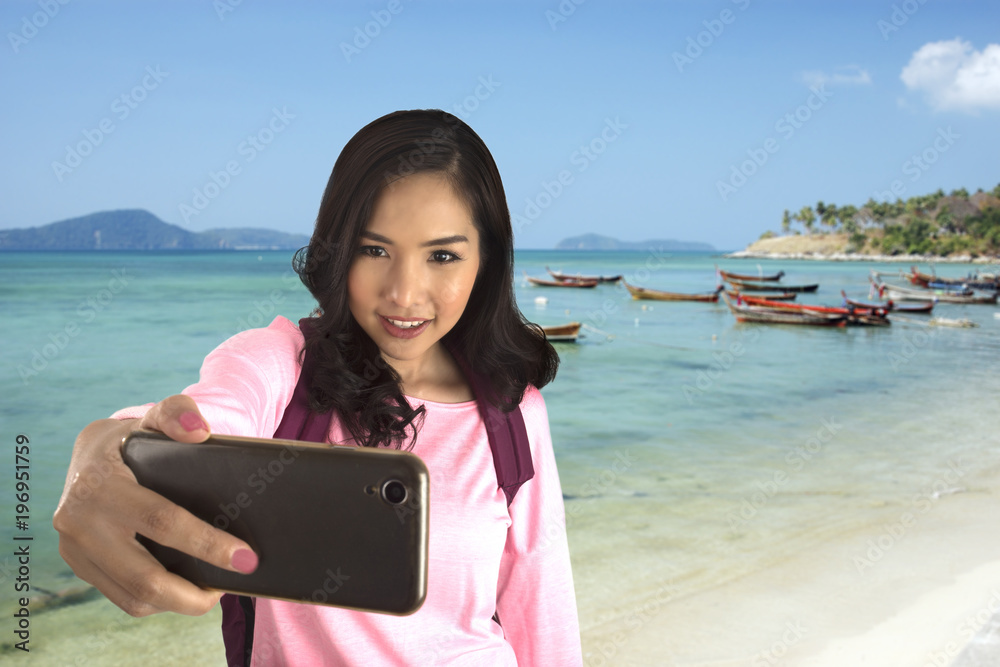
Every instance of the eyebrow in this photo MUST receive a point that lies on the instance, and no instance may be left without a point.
(445, 240)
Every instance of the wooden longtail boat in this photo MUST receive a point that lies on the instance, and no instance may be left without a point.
(565, 333)
(745, 286)
(567, 276)
(838, 310)
(773, 296)
(899, 293)
(891, 305)
(921, 279)
(726, 275)
(962, 290)
(760, 314)
(658, 295)
(560, 283)
(872, 316)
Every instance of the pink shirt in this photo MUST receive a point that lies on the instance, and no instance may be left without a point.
(483, 556)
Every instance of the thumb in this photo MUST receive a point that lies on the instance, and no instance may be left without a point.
(177, 417)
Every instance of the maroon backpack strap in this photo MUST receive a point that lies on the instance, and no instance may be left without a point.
(506, 432)
(299, 422)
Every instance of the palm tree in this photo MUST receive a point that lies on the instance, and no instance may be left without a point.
(828, 217)
(807, 217)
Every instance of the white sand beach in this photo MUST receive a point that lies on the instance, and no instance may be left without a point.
(919, 602)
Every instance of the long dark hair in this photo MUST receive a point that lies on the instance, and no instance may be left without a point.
(492, 335)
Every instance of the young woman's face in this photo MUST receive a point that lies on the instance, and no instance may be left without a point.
(414, 269)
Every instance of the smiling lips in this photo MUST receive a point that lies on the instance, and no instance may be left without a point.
(403, 328)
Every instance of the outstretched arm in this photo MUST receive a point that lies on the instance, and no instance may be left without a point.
(103, 508)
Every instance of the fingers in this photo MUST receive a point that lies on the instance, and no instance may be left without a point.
(151, 515)
(107, 555)
(148, 590)
(103, 508)
(179, 418)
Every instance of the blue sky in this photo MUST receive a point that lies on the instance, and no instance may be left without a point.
(699, 121)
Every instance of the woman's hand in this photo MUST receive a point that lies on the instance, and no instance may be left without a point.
(103, 508)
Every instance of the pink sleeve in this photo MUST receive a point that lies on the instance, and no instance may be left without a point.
(246, 382)
(536, 602)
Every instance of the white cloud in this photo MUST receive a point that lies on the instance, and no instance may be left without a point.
(954, 76)
(849, 75)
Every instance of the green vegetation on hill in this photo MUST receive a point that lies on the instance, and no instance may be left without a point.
(933, 224)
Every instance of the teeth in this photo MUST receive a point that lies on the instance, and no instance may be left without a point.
(406, 325)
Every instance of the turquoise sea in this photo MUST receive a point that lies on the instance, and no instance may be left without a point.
(694, 451)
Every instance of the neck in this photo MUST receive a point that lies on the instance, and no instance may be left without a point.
(435, 376)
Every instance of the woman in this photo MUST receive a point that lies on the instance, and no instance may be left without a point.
(411, 262)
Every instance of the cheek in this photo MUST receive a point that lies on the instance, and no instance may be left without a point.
(457, 291)
(358, 288)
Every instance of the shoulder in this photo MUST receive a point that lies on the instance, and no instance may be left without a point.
(533, 408)
(272, 349)
(281, 338)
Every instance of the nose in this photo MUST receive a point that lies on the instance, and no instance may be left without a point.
(406, 284)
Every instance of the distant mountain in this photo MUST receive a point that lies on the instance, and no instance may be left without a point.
(598, 242)
(137, 229)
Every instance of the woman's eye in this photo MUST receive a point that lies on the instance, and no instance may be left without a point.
(444, 256)
(373, 251)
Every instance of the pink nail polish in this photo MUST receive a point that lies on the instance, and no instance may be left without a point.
(192, 422)
(245, 561)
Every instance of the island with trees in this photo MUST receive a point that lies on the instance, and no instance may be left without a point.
(952, 227)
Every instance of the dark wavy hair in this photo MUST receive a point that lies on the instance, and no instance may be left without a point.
(492, 335)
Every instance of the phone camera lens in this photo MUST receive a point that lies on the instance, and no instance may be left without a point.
(394, 492)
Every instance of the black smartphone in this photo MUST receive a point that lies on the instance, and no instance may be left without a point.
(334, 525)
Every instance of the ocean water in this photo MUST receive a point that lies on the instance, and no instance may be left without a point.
(693, 450)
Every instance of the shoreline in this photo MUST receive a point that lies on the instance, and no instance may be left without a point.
(855, 257)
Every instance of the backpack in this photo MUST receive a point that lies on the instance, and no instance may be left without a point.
(508, 439)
